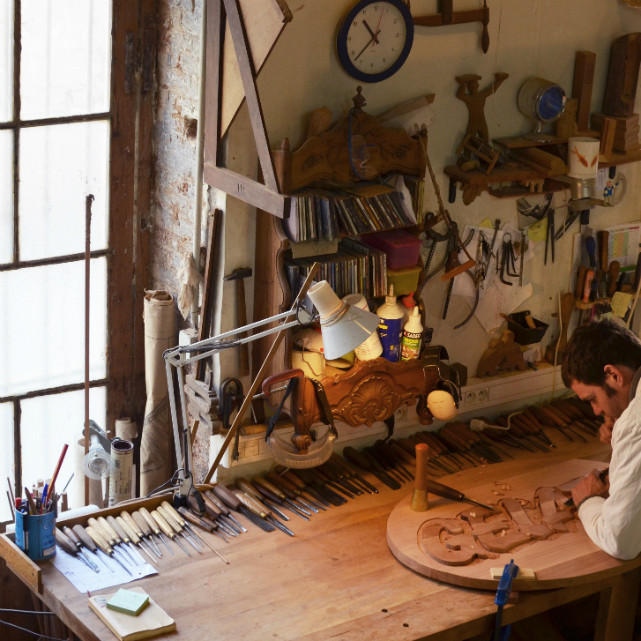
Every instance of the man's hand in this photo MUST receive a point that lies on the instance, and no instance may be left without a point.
(605, 431)
(594, 484)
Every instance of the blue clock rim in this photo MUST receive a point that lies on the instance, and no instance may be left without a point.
(341, 41)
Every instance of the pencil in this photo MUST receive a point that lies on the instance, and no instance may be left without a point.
(55, 472)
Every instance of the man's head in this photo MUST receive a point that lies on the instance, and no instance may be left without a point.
(598, 364)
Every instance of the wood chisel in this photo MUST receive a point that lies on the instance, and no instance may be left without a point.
(120, 531)
(166, 529)
(216, 496)
(253, 493)
(450, 493)
(264, 485)
(67, 544)
(214, 515)
(249, 502)
(294, 493)
(104, 547)
(144, 530)
(133, 537)
(179, 530)
(140, 532)
(144, 512)
(88, 542)
(231, 500)
(113, 538)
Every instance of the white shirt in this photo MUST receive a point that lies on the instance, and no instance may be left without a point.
(614, 524)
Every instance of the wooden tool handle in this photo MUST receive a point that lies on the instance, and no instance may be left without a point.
(420, 479)
(614, 270)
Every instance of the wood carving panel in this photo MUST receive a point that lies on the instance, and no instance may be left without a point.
(371, 391)
(530, 523)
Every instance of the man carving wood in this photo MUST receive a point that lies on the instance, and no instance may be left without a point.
(602, 365)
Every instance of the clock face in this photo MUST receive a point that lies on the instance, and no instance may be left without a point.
(375, 38)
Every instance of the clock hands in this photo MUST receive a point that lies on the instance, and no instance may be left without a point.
(374, 38)
(371, 33)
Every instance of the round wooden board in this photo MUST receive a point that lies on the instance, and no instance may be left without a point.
(562, 560)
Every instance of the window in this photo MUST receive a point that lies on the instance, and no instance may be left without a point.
(58, 113)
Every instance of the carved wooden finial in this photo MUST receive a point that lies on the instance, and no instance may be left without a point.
(359, 99)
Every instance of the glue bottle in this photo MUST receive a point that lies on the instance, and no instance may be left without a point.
(390, 326)
(412, 336)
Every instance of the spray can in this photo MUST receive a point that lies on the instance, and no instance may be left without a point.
(412, 336)
(390, 326)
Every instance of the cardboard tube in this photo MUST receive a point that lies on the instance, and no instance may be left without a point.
(120, 471)
(157, 438)
(419, 495)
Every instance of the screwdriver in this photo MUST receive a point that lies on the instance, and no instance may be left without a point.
(133, 537)
(145, 530)
(63, 541)
(73, 537)
(89, 543)
(104, 547)
(139, 531)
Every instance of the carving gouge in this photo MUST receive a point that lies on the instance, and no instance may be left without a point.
(256, 507)
(68, 545)
(88, 542)
(168, 531)
(141, 529)
(276, 496)
(144, 512)
(257, 496)
(286, 486)
(135, 539)
(450, 493)
(104, 547)
(216, 496)
(232, 501)
(351, 473)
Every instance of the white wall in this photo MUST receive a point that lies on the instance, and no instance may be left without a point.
(533, 38)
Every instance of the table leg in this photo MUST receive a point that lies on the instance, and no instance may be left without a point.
(618, 608)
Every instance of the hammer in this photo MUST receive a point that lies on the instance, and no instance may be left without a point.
(238, 275)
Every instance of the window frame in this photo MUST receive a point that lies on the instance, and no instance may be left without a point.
(130, 117)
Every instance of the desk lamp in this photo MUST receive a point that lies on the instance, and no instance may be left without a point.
(343, 328)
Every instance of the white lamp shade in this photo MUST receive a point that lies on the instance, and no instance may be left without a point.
(344, 327)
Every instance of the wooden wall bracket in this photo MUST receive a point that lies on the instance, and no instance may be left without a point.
(448, 16)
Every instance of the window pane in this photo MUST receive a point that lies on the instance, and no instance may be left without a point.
(66, 54)
(48, 422)
(59, 166)
(42, 332)
(6, 59)
(7, 469)
(6, 194)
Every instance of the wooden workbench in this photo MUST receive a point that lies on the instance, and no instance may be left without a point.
(337, 579)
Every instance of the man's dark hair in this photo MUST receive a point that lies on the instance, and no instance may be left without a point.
(596, 345)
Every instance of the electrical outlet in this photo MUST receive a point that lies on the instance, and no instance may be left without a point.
(482, 395)
(470, 398)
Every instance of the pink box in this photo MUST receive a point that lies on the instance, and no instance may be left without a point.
(401, 247)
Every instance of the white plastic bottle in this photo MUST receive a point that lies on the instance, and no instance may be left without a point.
(390, 326)
(412, 336)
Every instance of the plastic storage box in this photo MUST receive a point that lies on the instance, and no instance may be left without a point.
(401, 248)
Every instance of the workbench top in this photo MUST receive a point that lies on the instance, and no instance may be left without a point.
(336, 579)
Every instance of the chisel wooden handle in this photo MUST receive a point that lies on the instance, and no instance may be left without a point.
(133, 536)
(614, 269)
(83, 535)
(420, 479)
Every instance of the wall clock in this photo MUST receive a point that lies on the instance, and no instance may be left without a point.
(374, 39)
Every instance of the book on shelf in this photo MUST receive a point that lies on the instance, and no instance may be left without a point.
(152, 620)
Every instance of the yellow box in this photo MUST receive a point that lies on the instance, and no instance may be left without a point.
(404, 280)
